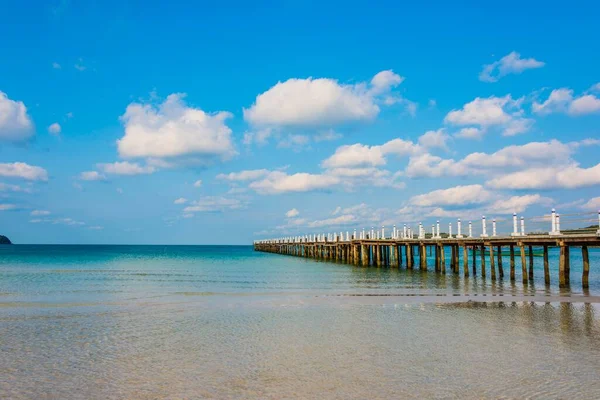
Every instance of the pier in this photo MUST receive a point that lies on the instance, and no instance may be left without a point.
(398, 250)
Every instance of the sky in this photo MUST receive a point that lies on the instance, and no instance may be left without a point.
(130, 122)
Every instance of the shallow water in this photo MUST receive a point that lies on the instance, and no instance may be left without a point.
(226, 322)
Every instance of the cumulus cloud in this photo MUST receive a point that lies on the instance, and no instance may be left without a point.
(180, 200)
(292, 213)
(503, 113)
(92, 176)
(355, 155)
(15, 123)
(214, 204)
(455, 196)
(587, 104)
(277, 182)
(592, 204)
(511, 63)
(125, 168)
(385, 80)
(560, 177)
(7, 207)
(515, 204)
(319, 102)
(54, 129)
(533, 154)
(470, 133)
(360, 155)
(563, 101)
(247, 175)
(23, 171)
(433, 139)
(198, 183)
(172, 129)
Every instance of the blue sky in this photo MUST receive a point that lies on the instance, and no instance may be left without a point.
(174, 123)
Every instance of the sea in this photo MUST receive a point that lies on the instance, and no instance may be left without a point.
(226, 322)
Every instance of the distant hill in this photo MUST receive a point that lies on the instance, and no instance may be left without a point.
(4, 240)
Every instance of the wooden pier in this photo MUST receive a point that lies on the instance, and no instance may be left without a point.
(400, 253)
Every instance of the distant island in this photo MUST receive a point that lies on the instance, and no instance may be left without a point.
(4, 240)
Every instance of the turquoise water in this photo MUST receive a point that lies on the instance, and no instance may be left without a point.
(228, 322)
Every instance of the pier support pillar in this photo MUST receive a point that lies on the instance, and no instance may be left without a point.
(512, 262)
(465, 261)
(531, 263)
(443, 259)
(523, 264)
(474, 259)
(500, 268)
(546, 266)
(492, 263)
(585, 277)
(483, 272)
(423, 257)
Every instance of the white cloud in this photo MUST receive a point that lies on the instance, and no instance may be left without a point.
(355, 155)
(318, 102)
(385, 80)
(57, 221)
(198, 183)
(95, 228)
(6, 207)
(557, 101)
(587, 104)
(301, 102)
(280, 182)
(563, 101)
(214, 204)
(592, 204)
(173, 130)
(470, 133)
(15, 123)
(534, 154)
(327, 136)
(37, 213)
(23, 171)
(501, 112)
(515, 204)
(54, 129)
(433, 139)
(125, 168)
(120, 190)
(511, 63)
(566, 177)
(247, 175)
(56, 65)
(347, 219)
(294, 141)
(360, 155)
(92, 176)
(292, 213)
(455, 196)
(180, 200)
(430, 166)
(5, 187)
